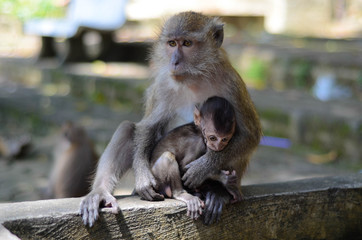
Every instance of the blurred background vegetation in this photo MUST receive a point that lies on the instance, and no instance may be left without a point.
(28, 9)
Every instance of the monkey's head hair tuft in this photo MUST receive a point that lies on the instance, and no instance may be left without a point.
(221, 112)
(194, 25)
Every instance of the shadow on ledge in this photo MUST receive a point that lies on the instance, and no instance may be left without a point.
(318, 208)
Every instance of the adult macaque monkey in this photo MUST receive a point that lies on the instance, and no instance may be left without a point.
(188, 66)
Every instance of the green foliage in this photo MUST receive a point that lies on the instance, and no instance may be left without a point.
(302, 74)
(256, 74)
(26, 9)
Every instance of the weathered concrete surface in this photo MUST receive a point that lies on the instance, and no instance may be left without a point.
(320, 208)
(6, 234)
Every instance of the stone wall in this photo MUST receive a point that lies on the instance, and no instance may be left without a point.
(320, 208)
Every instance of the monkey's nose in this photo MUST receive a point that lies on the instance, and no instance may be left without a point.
(175, 63)
(176, 58)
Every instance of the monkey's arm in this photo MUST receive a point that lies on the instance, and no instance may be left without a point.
(212, 162)
(147, 133)
(115, 160)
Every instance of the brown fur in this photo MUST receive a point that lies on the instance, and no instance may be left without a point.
(182, 77)
(75, 163)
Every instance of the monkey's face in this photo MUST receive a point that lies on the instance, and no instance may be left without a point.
(215, 140)
(191, 43)
(182, 57)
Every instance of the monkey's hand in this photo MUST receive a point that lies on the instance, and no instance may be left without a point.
(230, 181)
(196, 173)
(89, 207)
(214, 203)
(145, 186)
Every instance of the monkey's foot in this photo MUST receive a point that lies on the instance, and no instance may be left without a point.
(194, 207)
(194, 204)
(146, 185)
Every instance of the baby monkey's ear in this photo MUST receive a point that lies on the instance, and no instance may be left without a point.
(197, 116)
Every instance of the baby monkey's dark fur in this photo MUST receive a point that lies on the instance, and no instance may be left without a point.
(187, 143)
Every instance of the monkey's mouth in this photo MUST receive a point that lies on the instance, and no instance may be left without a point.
(178, 76)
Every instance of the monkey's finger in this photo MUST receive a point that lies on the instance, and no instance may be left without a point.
(114, 207)
(90, 219)
(150, 195)
(201, 206)
(219, 211)
(194, 183)
(155, 196)
(187, 181)
(111, 202)
(207, 217)
(81, 206)
(189, 178)
(213, 216)
(190, 210)
(85, 218)
(202, 203)
(92, 216)
(197, 209)
(145, 195)
(84, 215)
(189, 165)
(209, 208)
(214, 213)
(207, 200)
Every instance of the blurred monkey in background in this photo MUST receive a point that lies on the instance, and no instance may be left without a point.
(75, 162)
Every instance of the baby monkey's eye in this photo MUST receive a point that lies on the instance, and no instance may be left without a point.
(212, 138)
(172, 43)
(224, 140)
(187, 43)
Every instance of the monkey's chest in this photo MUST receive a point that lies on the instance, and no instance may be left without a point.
(183, 115)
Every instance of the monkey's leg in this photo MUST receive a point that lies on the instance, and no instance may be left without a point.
(166, 170)
(114, 162)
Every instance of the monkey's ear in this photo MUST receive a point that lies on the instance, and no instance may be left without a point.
(219, 34)
(197, 117)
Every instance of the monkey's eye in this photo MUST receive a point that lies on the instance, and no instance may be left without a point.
(187, 43)
(212, 138)
(172, 43)
(224, 140)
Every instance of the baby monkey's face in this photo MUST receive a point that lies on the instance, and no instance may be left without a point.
(215, 140)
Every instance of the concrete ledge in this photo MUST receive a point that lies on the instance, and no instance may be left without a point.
(319, 208)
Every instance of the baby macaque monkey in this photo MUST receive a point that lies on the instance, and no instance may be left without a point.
(75, 163)
(212, 129)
